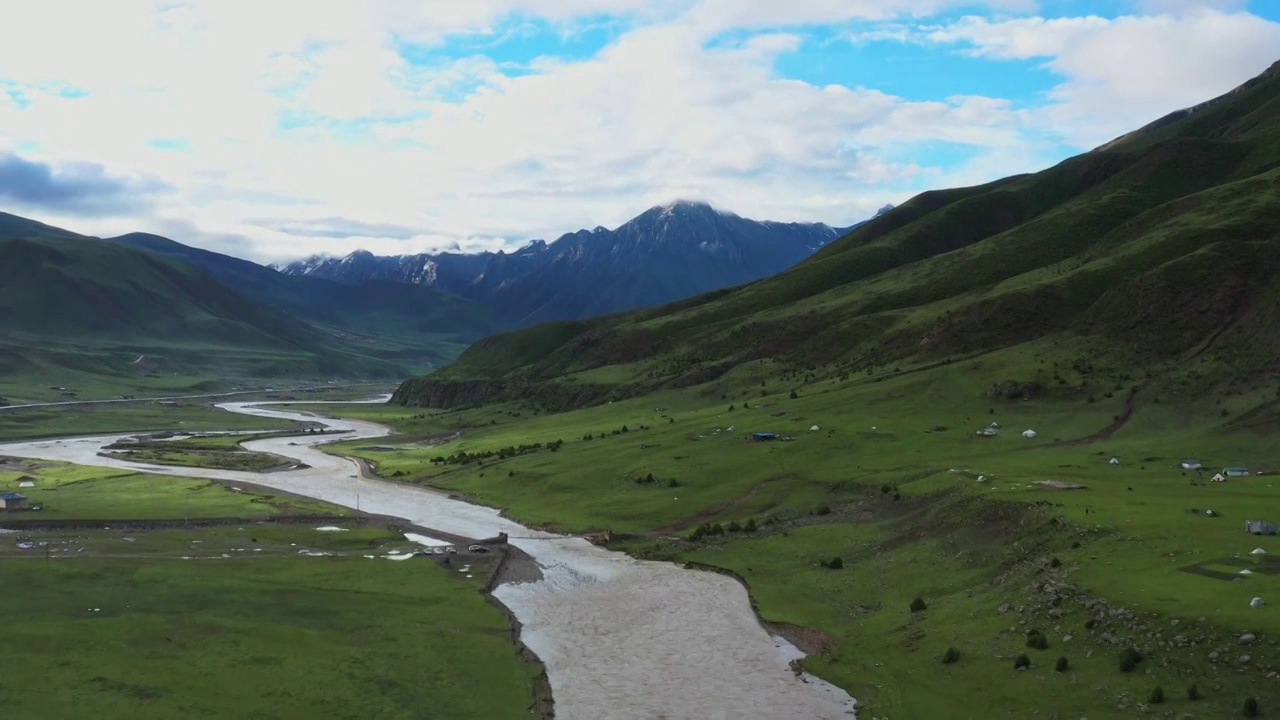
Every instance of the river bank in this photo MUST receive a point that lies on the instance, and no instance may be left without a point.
(620, 637)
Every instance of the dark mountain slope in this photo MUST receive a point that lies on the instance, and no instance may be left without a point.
(12, 226)
(1157, 241)
(383, 307)
(665, 254)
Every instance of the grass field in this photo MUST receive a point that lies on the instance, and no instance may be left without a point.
(883, 486)
(247, 619)
(215, 451)
(263, 637)
(191, 416)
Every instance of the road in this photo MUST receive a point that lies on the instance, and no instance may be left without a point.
(620, 637)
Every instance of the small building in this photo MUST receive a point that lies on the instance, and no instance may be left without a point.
(1236, 472)
(13, 501)
(763, 436)
(1260, 527)
(1191, 465)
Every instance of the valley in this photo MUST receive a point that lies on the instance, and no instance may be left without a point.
(1003, 450)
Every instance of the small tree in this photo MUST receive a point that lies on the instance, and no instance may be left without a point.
(1250, 708)
(1063, 665)
(951, 656)
(836, 563)
(1055, 562)
(793, 395)
(822, 510)
(734, 526)
(1157, 696)
(1022, 661)
(1037, 640)
(1129, 659)
(918, 605)
(1193, 693)
(750, 525)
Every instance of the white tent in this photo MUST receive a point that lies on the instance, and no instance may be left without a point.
(1258, 551)
(815, 428)
(1115, 461)
(1028, 433)
(1257, 602)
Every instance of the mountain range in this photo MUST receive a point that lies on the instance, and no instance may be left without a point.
(144, 305)
(665, 254)
(1157, 254)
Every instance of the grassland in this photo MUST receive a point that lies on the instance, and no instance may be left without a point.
(38, 422)
(144, 633)
(215, 451)
(255, 615)
(889, 483)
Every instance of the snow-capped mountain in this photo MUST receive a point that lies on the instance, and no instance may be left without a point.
(667, 253)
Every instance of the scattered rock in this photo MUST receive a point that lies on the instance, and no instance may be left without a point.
(1244, 659)
(1248, 638)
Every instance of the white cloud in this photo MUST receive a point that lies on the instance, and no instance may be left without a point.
(1121, 73)
(381, 153)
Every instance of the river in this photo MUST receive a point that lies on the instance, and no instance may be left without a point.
(620, 637)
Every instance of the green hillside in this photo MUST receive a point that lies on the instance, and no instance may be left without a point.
(87, 319)
(975, 496)
(1161, 245)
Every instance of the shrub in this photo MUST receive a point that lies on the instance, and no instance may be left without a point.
(885, 489)
(1091, 623)
(1055, 563)
(749, 526)
(918, 605)
(822, 510)
(1063, 665)
(951, 656)
(673, 483)
(793, 395)
(1129, 659)
(1037, 640)
(730, 408)
(734, 526)
(1250, 708)
(897, 496)
(698, 533)
(1022, 661)
(836, 563)
(1193, 693)
(1157, 696)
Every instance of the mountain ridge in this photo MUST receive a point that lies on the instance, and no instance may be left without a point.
(1142, 249)
(664, 254)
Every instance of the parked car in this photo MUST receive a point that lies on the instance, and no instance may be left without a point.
(478, 549)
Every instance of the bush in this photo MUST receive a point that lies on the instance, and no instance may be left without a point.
(836, 563)
(951, 656)
(885, 489)
(1129, 659)
(897, 496)
(1091, 623)
(1250, 708)
(793, 395)
(918, 605)
(1193, 693)
(1063, 665)
(822, 510)
(749, 526)
(1037, 640)
(1022, 662)
(734, 526)
(1055, 562)
(1157, 696)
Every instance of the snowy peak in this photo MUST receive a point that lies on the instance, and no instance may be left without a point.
(664, 254)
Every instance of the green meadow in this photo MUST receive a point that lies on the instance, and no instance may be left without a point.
(898, 484)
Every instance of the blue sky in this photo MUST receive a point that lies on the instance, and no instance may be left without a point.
(282, 130)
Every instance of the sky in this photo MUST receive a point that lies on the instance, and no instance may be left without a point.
(277, 130)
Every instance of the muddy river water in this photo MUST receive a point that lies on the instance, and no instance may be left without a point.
(620, 637)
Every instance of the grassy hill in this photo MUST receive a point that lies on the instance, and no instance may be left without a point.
(436, 325)
(85, 319)
(929, 556)
(1155, 248)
